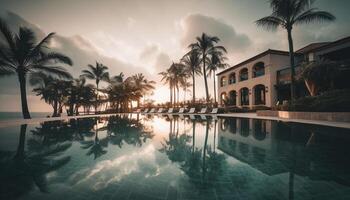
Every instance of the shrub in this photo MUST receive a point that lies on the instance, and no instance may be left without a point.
(330, 101)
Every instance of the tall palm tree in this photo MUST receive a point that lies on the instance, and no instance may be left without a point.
(53, 91)
(204, 45)
(192, 62)
(179, 75)
(217, 61)
(168, 79)
(97, 73)
(22, 55)
(286, 14)
(143, 85)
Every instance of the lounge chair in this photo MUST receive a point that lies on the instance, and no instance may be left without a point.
(192, 117)
(152, 110)
(214, 111)
(160, 110)
(203, 111)
(146, 110)
(192, 110)
(182, 110)
(171, 110)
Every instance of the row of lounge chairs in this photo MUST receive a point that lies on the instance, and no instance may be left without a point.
(181, 111)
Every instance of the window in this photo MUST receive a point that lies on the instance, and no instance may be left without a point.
(232, 98)
(258, 69)
(223, 81)
(232, 78)
(243, 74)
(244, 97)
(259, 95)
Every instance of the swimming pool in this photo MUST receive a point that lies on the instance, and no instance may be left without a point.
(174, 157)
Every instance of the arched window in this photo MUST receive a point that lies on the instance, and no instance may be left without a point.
(232, 78)
(232, 98)
(259, 95)
(258, 69)
(244, 92)
(223, 81)
(223, 98)
(243, 74)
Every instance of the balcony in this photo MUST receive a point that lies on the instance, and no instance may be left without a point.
(283, 76)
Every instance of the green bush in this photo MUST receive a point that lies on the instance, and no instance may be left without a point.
(330, 101)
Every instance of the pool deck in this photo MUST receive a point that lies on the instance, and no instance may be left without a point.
(17, 122)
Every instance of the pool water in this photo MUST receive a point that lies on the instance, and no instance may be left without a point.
(173, 157)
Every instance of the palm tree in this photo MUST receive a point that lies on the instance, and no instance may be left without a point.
(23, 56)
(167, 79)
(50, 89)
(204, 45)
(192, 62)
(98, 73)
(286, 14)
(145, 86)
(217, 61)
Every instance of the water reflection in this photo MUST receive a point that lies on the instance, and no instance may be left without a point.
(29, 166)
(274, 148)
(201, 164)
(130, 157)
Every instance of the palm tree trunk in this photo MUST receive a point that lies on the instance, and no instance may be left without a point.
(178, 94)
(193, 87)
(22, 84)
(205, 79)
(96, 104)
(55, 108)
(214, 87)
(291, 56)
(171, 95)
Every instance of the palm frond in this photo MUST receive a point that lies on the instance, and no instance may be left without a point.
(7, 33)
(38, 48)
(87, 74)
(314, 16)
(5, 70)
(52, 71)
(56, 58)
(270, 22)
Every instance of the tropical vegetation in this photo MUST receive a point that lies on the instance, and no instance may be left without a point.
(34, 62)
(287, 14)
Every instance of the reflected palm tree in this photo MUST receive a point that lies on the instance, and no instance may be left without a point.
(122, 130)
(28, 168)
(95, 147)
(176, 147)
(202, 165)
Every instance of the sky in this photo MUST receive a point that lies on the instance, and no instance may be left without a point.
(139, 36)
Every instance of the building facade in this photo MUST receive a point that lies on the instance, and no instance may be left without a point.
(264, 80)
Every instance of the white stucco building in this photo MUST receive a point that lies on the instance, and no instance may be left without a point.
(264, 79)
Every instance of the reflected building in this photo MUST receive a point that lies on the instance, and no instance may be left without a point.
(276, 147)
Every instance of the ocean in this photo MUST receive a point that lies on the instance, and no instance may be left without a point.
(18, 115)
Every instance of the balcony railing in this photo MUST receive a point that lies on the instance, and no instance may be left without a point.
(283, 76)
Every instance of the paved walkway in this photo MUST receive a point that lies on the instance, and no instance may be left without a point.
(239, 115)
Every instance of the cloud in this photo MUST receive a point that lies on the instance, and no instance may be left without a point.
(163, 61)
(195, 24)
(149, 52)
(78, 48)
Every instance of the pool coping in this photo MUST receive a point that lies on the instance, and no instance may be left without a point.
(15, 122)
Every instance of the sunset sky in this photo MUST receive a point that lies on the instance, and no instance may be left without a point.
(137, 36)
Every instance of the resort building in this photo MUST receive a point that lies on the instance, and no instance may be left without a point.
(264, 79)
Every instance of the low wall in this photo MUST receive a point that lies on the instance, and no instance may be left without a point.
(320, 116)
